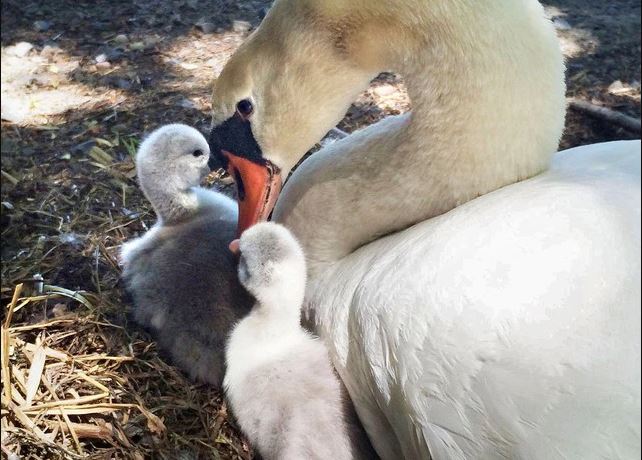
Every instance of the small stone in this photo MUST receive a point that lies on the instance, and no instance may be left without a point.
(384, 90)
(241, 26)
(101, 58)
(42, 26)
(617, 87)
(20, 49)
(50, 51)
(137, 46)
(561, 24)
(206, 27)
(121, 39)
(103, 65)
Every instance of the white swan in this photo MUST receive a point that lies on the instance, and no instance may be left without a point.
(508, 325)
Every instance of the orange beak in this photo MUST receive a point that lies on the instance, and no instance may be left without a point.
(258, 188)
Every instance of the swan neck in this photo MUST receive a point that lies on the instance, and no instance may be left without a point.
(486, 81)
(173, 206)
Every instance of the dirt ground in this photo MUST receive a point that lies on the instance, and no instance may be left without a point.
(82, 82)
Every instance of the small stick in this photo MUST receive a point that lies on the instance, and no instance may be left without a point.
(603, 113)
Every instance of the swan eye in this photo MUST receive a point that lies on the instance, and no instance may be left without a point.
(245, 108)
(198, 153)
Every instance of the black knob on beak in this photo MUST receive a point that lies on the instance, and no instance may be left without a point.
(217, 159)
(234, 136)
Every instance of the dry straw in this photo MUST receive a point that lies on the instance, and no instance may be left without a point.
(79, 380)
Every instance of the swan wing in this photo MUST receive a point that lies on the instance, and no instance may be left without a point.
(508, 327)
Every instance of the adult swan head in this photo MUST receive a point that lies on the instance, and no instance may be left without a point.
(485, 79)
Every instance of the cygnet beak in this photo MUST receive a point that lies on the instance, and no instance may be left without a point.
(235, 247)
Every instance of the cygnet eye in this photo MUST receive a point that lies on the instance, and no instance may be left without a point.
(198, 153)
(245, 108)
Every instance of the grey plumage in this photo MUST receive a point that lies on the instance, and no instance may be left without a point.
(279, 381)
(181, 275)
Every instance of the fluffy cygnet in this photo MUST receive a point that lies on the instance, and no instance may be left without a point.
(181, 275)
(279, 381)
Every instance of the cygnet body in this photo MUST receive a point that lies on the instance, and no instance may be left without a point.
(181, 274)
(279, 381)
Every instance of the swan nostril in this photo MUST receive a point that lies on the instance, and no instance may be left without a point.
(240, 187)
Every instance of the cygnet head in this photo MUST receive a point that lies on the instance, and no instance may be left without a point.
(169, 162)
(272, 267)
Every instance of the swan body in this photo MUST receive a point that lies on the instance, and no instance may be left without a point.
(517, 334)
(180, 274)
(479, 296)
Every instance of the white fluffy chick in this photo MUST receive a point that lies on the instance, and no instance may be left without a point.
(279, 381)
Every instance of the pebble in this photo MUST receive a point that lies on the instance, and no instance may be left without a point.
(206, 27)
(137, 46)
(121, 39)
(103, 65)
(42, 26)
(241, 26)
(561, 24)
(49, 51)
(111, 54)
(20, 49)
(384, 90)
(616, 86)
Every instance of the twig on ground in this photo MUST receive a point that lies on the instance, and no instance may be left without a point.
(606, 114)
